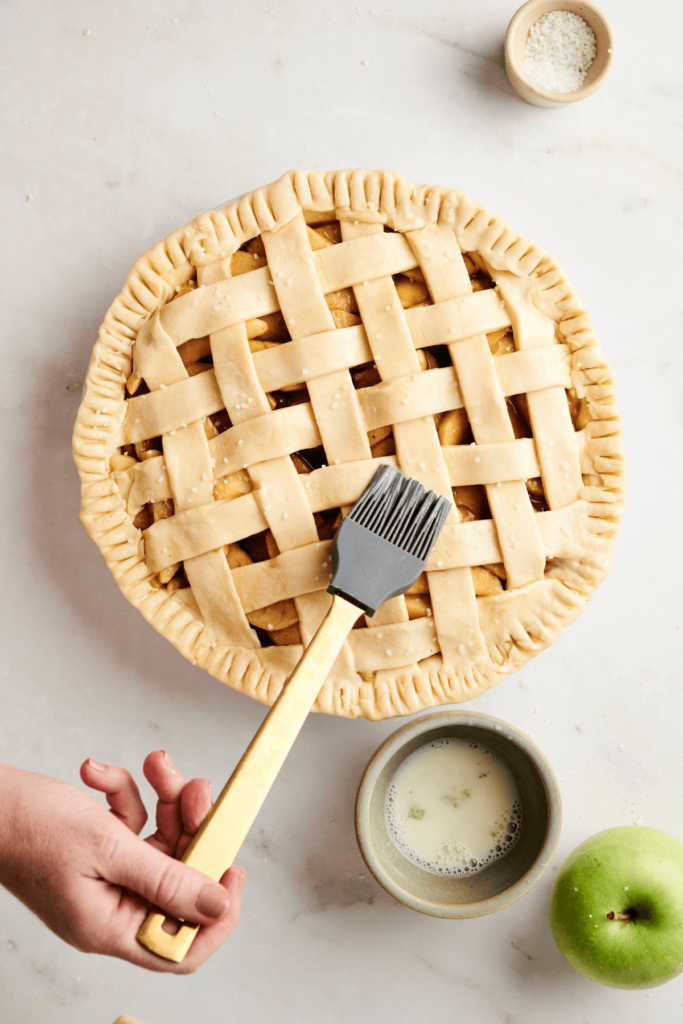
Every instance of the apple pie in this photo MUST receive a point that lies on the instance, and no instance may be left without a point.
(258, 366)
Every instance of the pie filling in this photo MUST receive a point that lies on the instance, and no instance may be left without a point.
(278, 623)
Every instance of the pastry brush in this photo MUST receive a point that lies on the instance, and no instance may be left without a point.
(379, 551)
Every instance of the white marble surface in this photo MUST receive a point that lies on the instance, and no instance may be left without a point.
(167, 109)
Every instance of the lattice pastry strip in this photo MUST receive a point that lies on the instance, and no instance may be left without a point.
(389, 338)
(396, 644)
(548, 409)
(451, 320)
(241, 391)
(290, 574)
(272, 435)
(339, 417)
(438, 255)
(306, 570)
(333, 398)
(195, 531)
(156, 358)
(211, 581)
(484, 402)
(394, 610)
(278, 493)
(188, 465)
(456, 618)
(284, 504)
(291, 262)
(512, 512)
(407, 397)
(172, 406)
(386, 328)
(371, 297)
(304, 359)
(451, 590)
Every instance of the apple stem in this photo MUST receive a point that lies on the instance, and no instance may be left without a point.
(628, 915)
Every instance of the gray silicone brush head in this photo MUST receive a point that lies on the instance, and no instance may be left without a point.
(383, 545)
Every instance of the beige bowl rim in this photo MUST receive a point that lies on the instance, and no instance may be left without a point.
(604, 60)
(425, 724)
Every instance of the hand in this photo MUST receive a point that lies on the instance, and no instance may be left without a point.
(86, 874)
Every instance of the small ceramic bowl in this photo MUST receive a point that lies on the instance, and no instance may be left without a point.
(503, 881)
(515, 44)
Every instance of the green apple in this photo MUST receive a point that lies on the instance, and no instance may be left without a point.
(617, 907)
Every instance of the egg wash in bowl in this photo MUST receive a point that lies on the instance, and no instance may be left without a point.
(453, 807)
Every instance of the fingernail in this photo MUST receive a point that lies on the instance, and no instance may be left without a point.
(242, 875)
(213, 901)
(168, 762)
(95, 765)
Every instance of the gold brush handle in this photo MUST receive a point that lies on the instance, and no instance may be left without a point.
(225, 827)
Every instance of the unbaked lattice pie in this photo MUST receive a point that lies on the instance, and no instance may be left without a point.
(260, 364)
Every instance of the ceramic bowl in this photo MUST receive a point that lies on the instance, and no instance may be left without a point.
(515, 43)
(503, 881)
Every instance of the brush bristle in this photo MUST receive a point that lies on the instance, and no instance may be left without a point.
(401, 511)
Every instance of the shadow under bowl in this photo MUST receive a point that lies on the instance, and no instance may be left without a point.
(503, 881)
(515, 46)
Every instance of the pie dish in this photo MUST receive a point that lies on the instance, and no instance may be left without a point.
(258, 366)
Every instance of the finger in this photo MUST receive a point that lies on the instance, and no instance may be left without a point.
(163, 776)
(195, 804)
(157, 842)
(123, 795)
(178, 890)
(168, 784)
(208, 940)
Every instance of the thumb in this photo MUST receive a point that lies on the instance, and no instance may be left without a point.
(179, 890)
